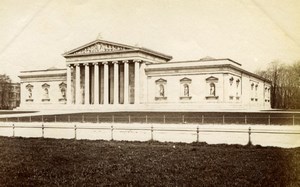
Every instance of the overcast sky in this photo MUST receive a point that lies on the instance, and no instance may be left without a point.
(34, 33)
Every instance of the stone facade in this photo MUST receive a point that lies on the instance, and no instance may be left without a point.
(105, 75)
(40, 88)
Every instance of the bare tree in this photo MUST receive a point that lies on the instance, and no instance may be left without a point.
(285, 91)
(5, 89)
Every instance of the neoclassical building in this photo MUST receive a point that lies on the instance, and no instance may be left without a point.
(105, 76)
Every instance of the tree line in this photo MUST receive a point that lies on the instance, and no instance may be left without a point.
(285, 90)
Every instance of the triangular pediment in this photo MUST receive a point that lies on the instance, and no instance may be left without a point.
(105, 47)
(45, 85)
(185, 80)
(212, 78)
(99, 46)
(161, 80)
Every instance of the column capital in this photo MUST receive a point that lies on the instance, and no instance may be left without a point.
(77, 64)
(105, 62)
(125, 61)
(70, 66)
(115, 62)
(86, 64)
(137, 61)
(95, 63)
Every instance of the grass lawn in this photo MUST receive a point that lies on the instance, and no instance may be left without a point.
(49, 162)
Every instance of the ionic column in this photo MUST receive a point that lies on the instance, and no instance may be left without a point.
(136, 81)
(106, 79)
(77, 85)
(116, 82)
(126, 81)
(86, 84)
(69, 85)
(96, 83)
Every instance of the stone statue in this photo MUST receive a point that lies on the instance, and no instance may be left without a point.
(161, 90)
(29, 93)
(212, 89)
(186, 90)
(63, 93)
(46, 93)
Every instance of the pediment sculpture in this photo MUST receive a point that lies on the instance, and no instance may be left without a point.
(98, 48)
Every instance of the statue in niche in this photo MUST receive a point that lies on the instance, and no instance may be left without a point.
(46, 94)
(29, 93)
(62, 88)
(212, 89)
(186, 90)
(63, 93)
(161, 90)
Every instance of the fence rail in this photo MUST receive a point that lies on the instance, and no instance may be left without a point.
(151, 129)
(164, 119)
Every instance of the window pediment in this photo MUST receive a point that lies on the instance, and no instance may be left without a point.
(29, 86)
(161, 81)
(45, 85)
(212, 79)
(185, 80)
(62, 85)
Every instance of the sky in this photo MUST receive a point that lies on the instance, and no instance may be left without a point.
(35, 33)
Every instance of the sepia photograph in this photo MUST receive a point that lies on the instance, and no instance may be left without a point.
(150, 93)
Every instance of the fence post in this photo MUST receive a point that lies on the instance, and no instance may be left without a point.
(55, 118)
(202, 119)
(43, 118)
(75, 131)
(97, 118)
(6, 119)
(113, 118)
(18, 119)
(112, 132)
(151, 132)
(249, 136)
(164, 118)
(293, 119)
(68, 118)
(269, 120)
(223, 119)
(128, 118)
(13, 130)
(42, 130)
(245, 119)
(197, 133)
(82, 118)
(183, 119)
(146, 119)
(29, 118)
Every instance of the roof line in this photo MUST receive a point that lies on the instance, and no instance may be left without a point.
(219, 59)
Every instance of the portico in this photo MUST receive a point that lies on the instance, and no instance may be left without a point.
(103, 73)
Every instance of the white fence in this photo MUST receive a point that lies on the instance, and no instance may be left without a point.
(282, 136)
